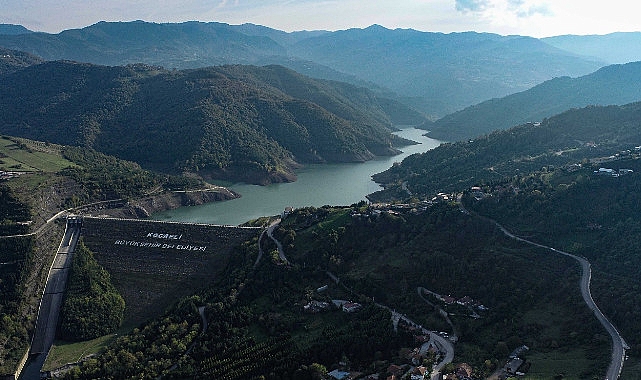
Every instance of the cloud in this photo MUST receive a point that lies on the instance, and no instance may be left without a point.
(472, 5)
(522, 8)
(514, 8)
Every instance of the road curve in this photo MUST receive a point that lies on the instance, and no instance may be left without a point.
(268, 231)
(618, 343)
(281, 252)
(443, 344)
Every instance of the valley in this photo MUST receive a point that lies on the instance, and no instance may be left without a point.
(260, 204)
(316, 185)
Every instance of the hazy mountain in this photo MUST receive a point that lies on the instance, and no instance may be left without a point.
(236, 122)
(190, 44)
(12, 29)
(449, 70)
(12, 60)
(621, 47)
(437, 73)
(281, 37)
(615, 84)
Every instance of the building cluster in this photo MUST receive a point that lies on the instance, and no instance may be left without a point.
(516, 365)
(624, 154)
(377, 209)
(319, 306)
(612, 172)
(466, 301)
(7, 175)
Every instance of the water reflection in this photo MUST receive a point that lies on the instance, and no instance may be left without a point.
(317, 185)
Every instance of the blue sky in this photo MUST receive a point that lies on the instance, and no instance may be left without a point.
(537, 18)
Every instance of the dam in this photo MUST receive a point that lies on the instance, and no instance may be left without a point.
(151, 263)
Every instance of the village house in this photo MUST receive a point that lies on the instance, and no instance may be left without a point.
(419, 373)
(316, 307)
(351, 307)
(343, 375)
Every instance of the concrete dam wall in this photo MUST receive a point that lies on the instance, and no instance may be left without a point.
(155, 263)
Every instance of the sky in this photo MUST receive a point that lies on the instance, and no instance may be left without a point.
(536, 18)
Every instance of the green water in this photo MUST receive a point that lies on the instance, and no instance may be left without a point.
(317, 185)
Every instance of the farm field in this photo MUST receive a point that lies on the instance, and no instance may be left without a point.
(64, 352)
(21, 155)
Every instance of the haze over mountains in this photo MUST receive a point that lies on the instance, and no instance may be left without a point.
(614, 84)
(437, 73)
(612, 48)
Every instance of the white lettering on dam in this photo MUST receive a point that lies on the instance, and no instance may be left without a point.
(156, 235)
(178, 247)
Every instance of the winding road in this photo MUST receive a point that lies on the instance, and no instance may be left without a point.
(269, 230)
(443, 344)
(281, 252)
(618, 343)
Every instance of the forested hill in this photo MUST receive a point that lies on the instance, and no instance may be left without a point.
(232, 122)
(570, 137)
(615, 84)
(12, 60)
(12, 29)
(449, 71)
(436, 72)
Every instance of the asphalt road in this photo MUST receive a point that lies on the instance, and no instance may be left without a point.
(281, 252)
(443, 344)
(51, 302)
(618, 343)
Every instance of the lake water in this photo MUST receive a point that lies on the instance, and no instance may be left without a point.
(317, 185)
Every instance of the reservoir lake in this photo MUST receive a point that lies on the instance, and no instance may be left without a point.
(317, 185)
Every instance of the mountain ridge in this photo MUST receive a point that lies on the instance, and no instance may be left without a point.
(436, 73)
(618, 47)
(563, 139)
(614, 84)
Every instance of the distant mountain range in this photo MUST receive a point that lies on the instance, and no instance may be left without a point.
(615, 84)
(11, 29)
(230, 122)
(612, 48)
(434, 72)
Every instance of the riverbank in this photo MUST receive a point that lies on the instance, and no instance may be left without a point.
(316, 185)
(170, 200)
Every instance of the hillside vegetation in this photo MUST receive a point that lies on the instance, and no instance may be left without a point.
(594, 216)
(92, 306)
(258, 326)
(566, 138)
(12, 60)
(616, 84)
(437, 73)
(545, 182)
(234, 122)
(16, 260)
